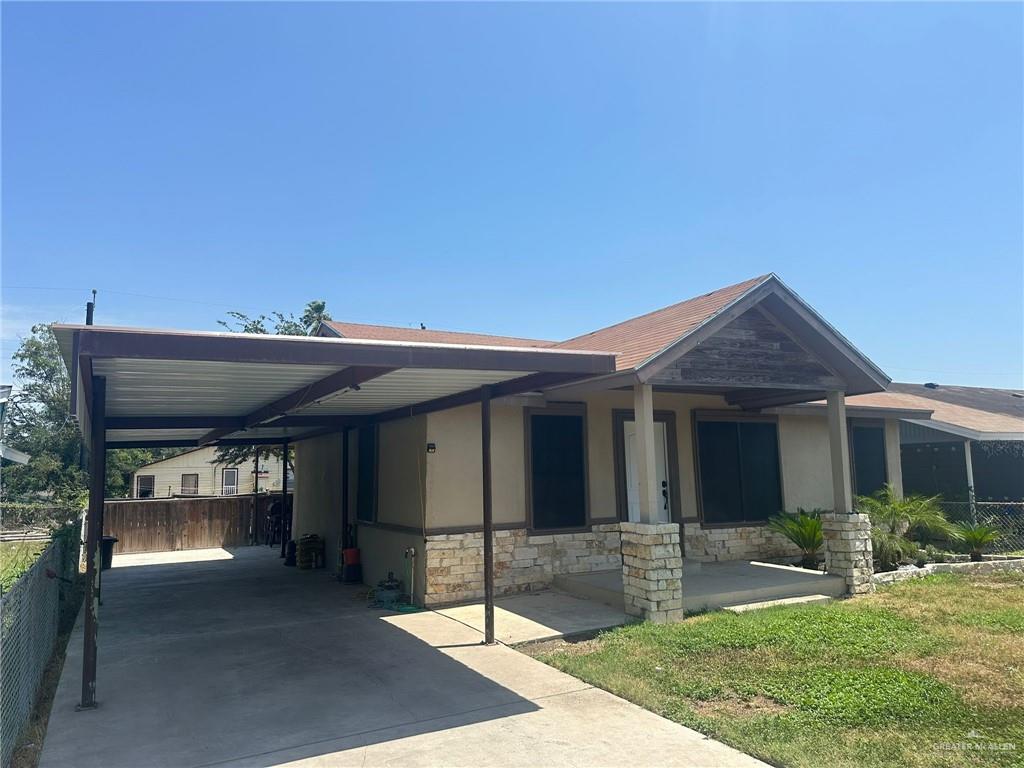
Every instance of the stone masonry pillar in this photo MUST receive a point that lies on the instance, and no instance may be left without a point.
(652, 571)
(848, 549)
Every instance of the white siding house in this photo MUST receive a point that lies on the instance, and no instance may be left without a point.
(195, 473)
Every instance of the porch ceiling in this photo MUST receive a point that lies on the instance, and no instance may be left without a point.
(187, 389)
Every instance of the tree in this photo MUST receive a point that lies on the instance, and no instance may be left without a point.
(283, 325)
(38, 423)
(901, 526)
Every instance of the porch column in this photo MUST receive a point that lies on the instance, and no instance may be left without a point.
(97, 480)
(893, 457)
(969, 465)
(488, 533)
(647, 477)
(839, 447)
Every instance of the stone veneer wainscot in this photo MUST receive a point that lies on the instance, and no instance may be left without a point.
(523, 561)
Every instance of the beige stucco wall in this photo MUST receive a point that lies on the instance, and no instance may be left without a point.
(401, 472)
(806, 462)
(317, 493)
(454, 490)
(167, 474)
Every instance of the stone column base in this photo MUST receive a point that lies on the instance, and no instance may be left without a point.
(652, 571)
(848, 550)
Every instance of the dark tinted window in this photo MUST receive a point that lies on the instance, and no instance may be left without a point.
(867, 447)
(557, 471)
(366, 488)
(144, 486)
(739, 471)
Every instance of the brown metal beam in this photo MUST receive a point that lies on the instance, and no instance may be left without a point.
(175, 422)
(485, 451)
(329, 385)
(751, 399)
(94, 532)
(529, 383)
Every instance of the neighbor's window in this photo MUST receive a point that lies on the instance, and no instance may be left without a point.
(229, 482)
(867, 453)
(558, 473)
(145, 486)
(740, 480)
(366, 474)
(189, 485)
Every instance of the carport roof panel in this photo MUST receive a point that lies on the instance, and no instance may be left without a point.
(159, 381)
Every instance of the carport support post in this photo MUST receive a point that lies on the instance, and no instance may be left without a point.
(286, 530)
(97, 478)
(485, 454)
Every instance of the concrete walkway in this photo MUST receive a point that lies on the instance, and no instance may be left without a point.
(241, 662)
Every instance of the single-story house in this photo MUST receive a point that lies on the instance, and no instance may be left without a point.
(196, 472)
(471, 465)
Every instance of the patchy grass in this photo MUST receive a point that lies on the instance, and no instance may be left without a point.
(16, 557)
(928, 672)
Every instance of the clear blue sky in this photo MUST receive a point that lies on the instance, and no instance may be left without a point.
(538, 170)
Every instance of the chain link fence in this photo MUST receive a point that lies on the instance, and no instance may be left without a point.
(29, 619)
(1006, 516)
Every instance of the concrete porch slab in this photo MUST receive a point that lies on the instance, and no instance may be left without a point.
(709, 586)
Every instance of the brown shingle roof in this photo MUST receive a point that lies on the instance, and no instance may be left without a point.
(947, 413)
(637, 339)
(428, 335)
(634, 340)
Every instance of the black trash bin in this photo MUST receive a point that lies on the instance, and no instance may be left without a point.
(108, 551)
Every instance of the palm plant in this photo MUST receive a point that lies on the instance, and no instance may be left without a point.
(804, 530)
(977, 537)
(898, 525)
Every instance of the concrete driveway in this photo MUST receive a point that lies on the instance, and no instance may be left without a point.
(240, 662)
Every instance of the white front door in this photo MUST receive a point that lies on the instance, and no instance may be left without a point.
(661, 467)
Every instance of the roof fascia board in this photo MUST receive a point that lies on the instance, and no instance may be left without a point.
(660, 360)
(315, 350)
(866, 411)
(969, 434)
(810, 315)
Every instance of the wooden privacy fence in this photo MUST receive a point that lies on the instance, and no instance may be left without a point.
(162, 525)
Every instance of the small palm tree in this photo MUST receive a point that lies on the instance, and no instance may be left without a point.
(977, 537)
(898, 525)
(804, 530)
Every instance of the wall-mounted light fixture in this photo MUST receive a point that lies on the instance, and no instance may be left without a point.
(431, 447)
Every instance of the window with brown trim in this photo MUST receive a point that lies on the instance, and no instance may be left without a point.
(556, 467)
(190, 484)
(867, 456)
(738, 470)
(366, 474)
(145, 486)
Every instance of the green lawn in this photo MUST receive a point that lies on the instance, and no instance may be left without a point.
(929, 672)
(16, 557)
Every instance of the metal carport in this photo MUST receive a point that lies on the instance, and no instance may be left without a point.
(148, 388)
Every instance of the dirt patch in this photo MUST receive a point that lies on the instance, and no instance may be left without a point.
(733, 706)
(572, 647)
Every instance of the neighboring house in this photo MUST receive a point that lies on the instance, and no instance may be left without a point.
(973, 440)
(6, 452)
(196, 473)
